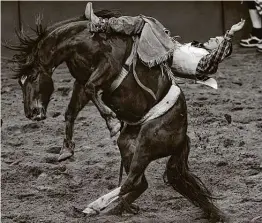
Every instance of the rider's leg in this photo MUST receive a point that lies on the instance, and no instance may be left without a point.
(125, 24)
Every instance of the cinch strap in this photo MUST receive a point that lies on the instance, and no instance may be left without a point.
(162, 107)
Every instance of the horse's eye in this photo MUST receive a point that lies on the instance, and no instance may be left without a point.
(33, 78)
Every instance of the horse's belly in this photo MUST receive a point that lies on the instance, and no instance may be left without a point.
(128, 104)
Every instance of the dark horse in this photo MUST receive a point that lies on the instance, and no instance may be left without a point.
(97, 59)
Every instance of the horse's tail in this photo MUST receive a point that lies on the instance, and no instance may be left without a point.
(189, 185)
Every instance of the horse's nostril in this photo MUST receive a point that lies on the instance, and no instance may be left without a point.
(35, 111)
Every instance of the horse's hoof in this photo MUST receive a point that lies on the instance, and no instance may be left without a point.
(67, 151)
(115, 129)
(90, 212)
(134, 209)
(64, 156)
(76, 212)
(218, 218)
(117, 210)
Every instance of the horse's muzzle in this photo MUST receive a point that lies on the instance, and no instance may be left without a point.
(37, 114)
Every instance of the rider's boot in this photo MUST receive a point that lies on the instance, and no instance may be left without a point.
(97, 24)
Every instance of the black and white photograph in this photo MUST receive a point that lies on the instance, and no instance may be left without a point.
(131, 111)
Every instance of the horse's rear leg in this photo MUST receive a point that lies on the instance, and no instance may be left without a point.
(134, 185)
(135, 163)
(126, 201)
(126, 144)
(189, 185)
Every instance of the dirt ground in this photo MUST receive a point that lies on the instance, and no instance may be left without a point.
(226, 154)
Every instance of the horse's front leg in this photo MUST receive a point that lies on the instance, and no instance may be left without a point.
(97, 79)
(77, 102)
(113, 124)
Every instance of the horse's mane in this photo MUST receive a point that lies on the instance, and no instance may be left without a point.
(27, 46)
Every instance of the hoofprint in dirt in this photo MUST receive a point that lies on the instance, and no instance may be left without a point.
(225, 127)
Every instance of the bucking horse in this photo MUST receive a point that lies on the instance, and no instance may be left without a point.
(153, 127)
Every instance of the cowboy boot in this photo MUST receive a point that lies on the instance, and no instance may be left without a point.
(90, 15)
(97, 24)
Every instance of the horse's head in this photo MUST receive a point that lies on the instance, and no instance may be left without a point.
(37, 87)
(38, 56)
(33, 77)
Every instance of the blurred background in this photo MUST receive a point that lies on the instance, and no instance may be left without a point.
(192, 20)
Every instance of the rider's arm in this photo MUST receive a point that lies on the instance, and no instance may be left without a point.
(209, 63)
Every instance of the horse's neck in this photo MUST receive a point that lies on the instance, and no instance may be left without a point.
(60, 44)
(107, 51)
